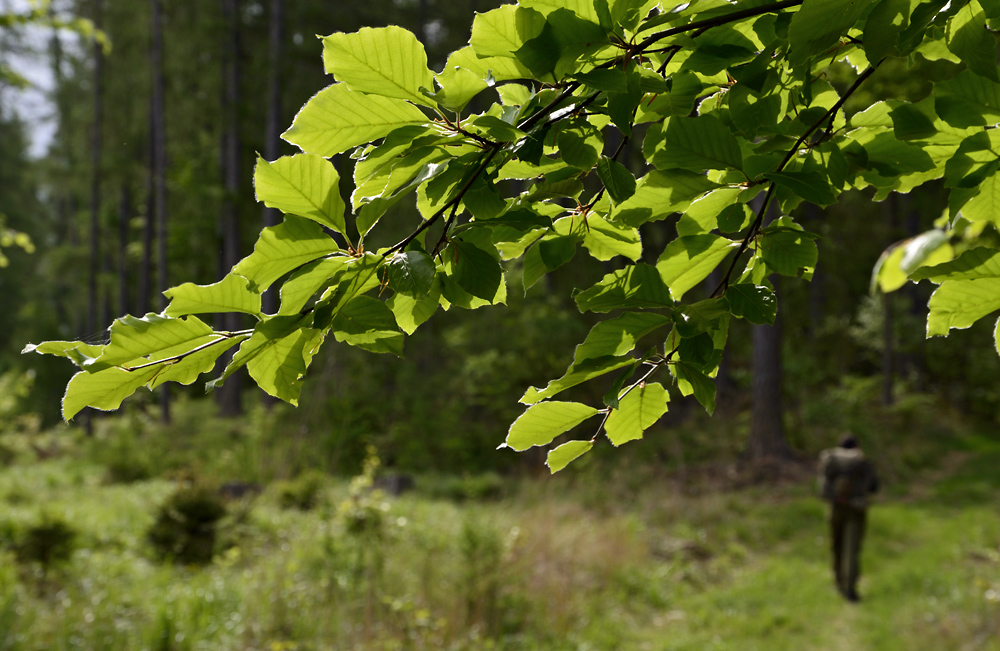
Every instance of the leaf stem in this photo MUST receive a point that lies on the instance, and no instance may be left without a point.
(176, 358)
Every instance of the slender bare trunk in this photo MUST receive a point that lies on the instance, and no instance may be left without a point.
(95, 181)
(228, 395)
(272, 135)
(160, 174)
(767, 430)
(124, 216)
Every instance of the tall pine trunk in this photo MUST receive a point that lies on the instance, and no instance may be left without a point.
(228, 395)
(159, 160)
(95, 181)
(767, 430)
(272, 134)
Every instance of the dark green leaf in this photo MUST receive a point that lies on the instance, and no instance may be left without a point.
(618, 181)
(692, 381)
(476, 270)
(367, 323)
(411, 273)
(811, 186)
(637, 286)
(755, 303)
(698, 144)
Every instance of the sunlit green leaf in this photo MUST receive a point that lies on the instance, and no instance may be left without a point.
(284, 248)
(636, 413)
(230, 294)
(541, 423)
(968, 37)
(576, 374)
(566, 453)
(619, 336)
(636, 286)
(688, 260)
(386, 61)
(337, 119)
(819, 24)
(305, 185)
(280, 368)
(960, 303)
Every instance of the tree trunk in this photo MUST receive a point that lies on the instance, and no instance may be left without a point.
(145, 284)
(272, 135)
(95, 182)
(228, 395)
(767, 429)
(159, 155)
(124, 215)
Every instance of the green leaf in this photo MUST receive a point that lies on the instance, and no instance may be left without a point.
(411, 312)
(476, 270)
(367, 323)
(703, 316)
(103, 390)
(541, 423)
(688, 260)
(985, 206)
(637, 286)
(618, 336)
(137, 341)
(968, 100)
(909, 122)
(268, 333)
(789, 252)
(960, 303)
(566, 453)
(565, 37)
(616, 178)
(307, 281)
(411, 273)
(498, 68)
(576, 374)
(230, 294)
(194, 364)
(885, 23)
(755, 303)
(280, 368)
(811, 186)
(975, 263)
(605, 239)
(458, 85)
(498, 33)
(968, 38)
(692, 381)
(698, 144)
(483, 200)
(283, 248)
(386, 61)
(305, 185)
(337, 119)
(580, 144)
(76, 351)
(819, 24)
(495, 128)
(636, 413)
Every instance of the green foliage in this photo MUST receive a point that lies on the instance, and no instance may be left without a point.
(742, 112)
(303, 492)
(186, 526)
(49, 542)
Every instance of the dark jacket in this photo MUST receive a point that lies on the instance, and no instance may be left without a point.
(847, 477)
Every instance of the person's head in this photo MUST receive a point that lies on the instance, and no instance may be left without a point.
(849, 442)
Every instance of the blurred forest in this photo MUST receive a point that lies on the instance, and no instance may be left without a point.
(146, 183)
(227, 521)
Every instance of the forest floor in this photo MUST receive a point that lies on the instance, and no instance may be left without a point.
(611, 557)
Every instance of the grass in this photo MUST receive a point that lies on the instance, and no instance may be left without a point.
(607, 557)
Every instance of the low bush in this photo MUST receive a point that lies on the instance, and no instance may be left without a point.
(49, 543)
(186, 527)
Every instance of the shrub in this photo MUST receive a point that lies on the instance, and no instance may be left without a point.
(186, 527)
(48, 543)
(303, 492)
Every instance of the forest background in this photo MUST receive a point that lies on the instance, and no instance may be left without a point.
(83, 247)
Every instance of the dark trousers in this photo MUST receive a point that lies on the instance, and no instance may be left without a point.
(847, 525)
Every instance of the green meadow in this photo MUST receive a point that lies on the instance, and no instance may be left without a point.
(623, 553)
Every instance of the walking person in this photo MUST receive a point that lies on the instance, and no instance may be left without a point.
(847, 479)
